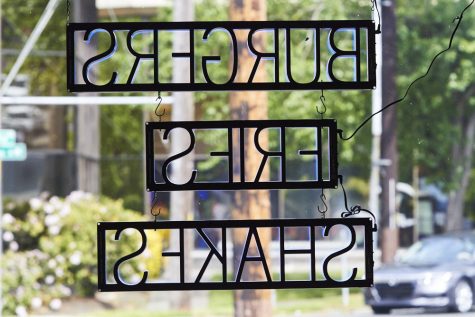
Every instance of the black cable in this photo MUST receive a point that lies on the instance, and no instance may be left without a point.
(459, 18)
(375, 7)
(356, 209)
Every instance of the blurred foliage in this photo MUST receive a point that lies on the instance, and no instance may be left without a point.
(47, 74)
(51, 254)
(434, 118)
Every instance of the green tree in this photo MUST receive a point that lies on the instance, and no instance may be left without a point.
(438, 117)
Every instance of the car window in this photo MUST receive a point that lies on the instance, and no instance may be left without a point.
(436, 250)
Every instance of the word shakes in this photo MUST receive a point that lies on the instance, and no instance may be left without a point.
(297, 54)
(230, 140)
(203, 277)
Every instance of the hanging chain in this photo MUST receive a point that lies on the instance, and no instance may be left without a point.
(323, 198)
(68, 11)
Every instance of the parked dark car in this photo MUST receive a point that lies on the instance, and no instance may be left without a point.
(435, 272)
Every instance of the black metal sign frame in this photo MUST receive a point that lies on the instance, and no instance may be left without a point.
(275, 27)
(221, 256)
(241, 184)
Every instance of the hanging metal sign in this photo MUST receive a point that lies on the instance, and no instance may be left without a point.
(244, 134)
(343, 55)
(360, 229)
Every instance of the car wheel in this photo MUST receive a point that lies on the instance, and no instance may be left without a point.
(381, 310)
(462, 299)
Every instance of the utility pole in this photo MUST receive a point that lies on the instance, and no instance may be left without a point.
(87, 117)
(181, 203)
(376, 130)
(250, 105)
(389, 153)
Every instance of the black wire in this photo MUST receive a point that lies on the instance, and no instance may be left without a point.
(356, 209)
(459, 18)
(375, 7)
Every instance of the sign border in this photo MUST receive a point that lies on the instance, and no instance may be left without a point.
(151, 185)
(102, 227)
(229, 25)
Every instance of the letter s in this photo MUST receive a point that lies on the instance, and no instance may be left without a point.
(99, 58)
(130, 256)
(338, 253)
(177, 156)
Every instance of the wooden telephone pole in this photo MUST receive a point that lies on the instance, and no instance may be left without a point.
(250, 105)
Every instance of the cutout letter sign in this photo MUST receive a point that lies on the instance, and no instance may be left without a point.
(246, 135)
(219, 262)
(343, 55)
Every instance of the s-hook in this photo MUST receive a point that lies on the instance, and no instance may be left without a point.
(159, 99)
(322, 100)
(323, 212)
(323, 198)
(153, 211)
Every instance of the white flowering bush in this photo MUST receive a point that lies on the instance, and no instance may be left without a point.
(50, 249)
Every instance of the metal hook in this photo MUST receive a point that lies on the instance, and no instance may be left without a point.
(159, 99)
(154, 203)
(322, 100)
(323, 198)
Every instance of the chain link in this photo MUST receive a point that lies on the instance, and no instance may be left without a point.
(68, 11)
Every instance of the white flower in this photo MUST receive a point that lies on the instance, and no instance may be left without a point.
(55, 304)
(36, 302)
(35, 203)
(14, 246)
(66, 291)
(54, 230)
(65, 210)
(8, 236)
(20, 291)
(48, 208)
(77, 196)
(51, 220)
(51, 263)
(75, 258)
(60, 258)
(55, 201)
(7, 219)
(59, 272)
(21, 311)
(49, 279)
